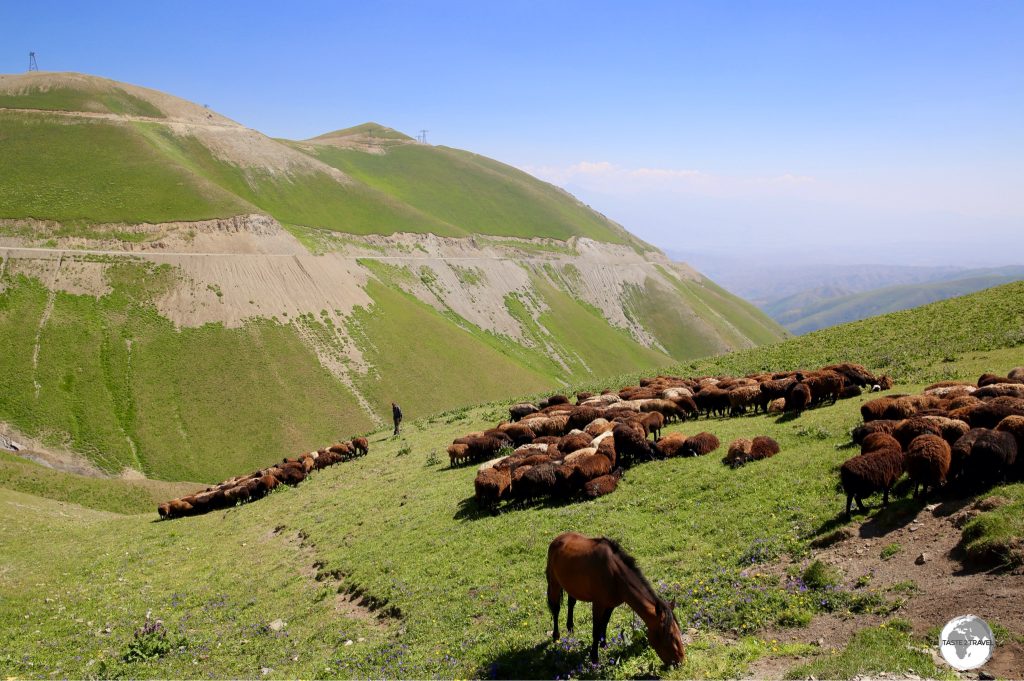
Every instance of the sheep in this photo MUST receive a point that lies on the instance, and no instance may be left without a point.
(361, 446)
(798, 398)
(631, 443)
(576, 439)
(850, 391)
(652, 423)
(581, 417)
(520, 432)
(602, 400)
(1000, 390)
(491, 485)
(939, 385)
(671, 445)
(742, 397)
(910, 428)
(518, 411)
(990, 412)
(598, 426)
(537, 482)
(483, 447)
(739, 451)
(874, 410)
(1014, 425)
(775, 388)
(824, 385)
(992, 456)
(1016, 373)
(776, 406)
(700, 444)
(458, 453)
(927, 462)
(880, 426)
(342, 449)
(549, 425)
(676, 392)
(667, 408)
(864, 475)
(583, 396)
(763, 447)
(606, 484)
(588, 467)
(606, 446)
(854, 374)
(876, 441)
(951, 429)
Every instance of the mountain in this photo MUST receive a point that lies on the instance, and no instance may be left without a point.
(819, 308)
(184, 296)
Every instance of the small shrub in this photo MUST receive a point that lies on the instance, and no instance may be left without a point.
(819, 575)
(863, 580)
(149, 642)
(406, 450)
(433, 459)
(890, 551)
(795, 617)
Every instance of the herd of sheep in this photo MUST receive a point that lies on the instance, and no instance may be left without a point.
(258, 484)
(563, 450)
(953, 432)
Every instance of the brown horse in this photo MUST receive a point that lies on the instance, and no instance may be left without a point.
(600, 572)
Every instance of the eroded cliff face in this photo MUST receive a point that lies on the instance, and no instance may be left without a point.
(230, 271)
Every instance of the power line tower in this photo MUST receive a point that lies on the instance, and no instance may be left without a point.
(32, 65)
(422, 138)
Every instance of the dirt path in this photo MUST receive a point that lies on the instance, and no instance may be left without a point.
(928, 570)
(51, 296)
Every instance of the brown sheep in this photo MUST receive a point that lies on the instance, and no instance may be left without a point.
(854, 374)
(884, 383)
(671, 445)
(864, 475)
(1016, 373)
(850, 391)
(876, 441)
(361, 446)
(927, 462)
(738, 453)
(763, 447)
(520, 433)
(553, 400)
(606, 484)
(824, 385)
(798, 398)
(1000, 390)
(598, 426)
(587, 468)
(990, 412)
(458, 453)
(574, 440)
(743, 397)
(1014, 425)
(992, 457)
(537, 482)
(700, 444)
(712, 401)
(491, 485)
(652, 423)
(518, 411)
(685, 405)
(607, 449)
(879, 426)
(951, 429)
(910, 428)
(631, 444)
(344, 449)
(581, 397)
(581, 417)
(874, 410)
(164, 510)
(776, 406)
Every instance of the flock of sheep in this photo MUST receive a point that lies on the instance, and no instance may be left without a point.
(258, 484)
(565, 450)
(968, 435)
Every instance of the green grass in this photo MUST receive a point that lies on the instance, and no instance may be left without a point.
(119, 384)
(873, 650)
(100, 100)
(104, 494)
(472, 194)
(464, 589)
(997, 536)
(86, 171)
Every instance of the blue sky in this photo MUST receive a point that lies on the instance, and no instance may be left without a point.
(861, 129)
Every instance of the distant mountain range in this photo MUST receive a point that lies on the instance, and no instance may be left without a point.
(813, 296)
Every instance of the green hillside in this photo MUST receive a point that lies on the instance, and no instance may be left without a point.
(812, 310)
(442, 590)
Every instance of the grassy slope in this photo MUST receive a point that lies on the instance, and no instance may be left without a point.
(469, 587)
(118, 383)
(90, 171)
(801, 318)
(473, 194)
(103, 99)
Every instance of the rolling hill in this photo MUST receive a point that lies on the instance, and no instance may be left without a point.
(382, 566)
(162, 266)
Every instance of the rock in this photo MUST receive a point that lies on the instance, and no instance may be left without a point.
(820, 642)
(987, 676)
(923, 558)
(348, 642)
(265, 670)
(931, 508)
(278, 625)
(914, 528)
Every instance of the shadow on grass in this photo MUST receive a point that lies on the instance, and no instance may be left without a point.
(469, 509)
(787, 417)
(567, 658)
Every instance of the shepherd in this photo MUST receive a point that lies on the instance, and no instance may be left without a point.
(396, 415)
(597, 570)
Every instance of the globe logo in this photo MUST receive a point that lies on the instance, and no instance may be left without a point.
(966, 642)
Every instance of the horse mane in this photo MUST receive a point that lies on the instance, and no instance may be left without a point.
(630, 563)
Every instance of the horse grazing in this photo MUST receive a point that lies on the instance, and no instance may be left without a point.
(600, 572)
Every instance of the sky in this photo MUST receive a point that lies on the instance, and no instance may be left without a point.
(874, 132)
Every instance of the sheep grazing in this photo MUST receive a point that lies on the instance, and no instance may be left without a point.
(776, 406)
(588, 467)
(798, 398)
(577, 439)
(518, 411)
(881, 426)
(700, 444)
(854, 374)
(876, 441)
(554, 400)
(743, 397)
(491, 485)
(911, 428)
(631, 443)
(712, 401)
(951, 429)
(1017, 373)
(874, 410)
(600, 486)
(1014, 425)
(598, 426)
(361, 446)
(992, 457)
(864, 475)
(582, 397)
(458, 453)
(738, 453)
(850, 391)
(990, 412)
(520, 433)
(685, 406)
(824, 385)
(581, 417)
(763, 447)
(537, 482)
(927, 462)
(1000, 390)
(671, 445)
(652, 423)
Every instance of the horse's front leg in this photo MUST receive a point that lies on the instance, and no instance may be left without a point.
(601, 616)
(570, 603)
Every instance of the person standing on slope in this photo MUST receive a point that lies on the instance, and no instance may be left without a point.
(396, 415)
